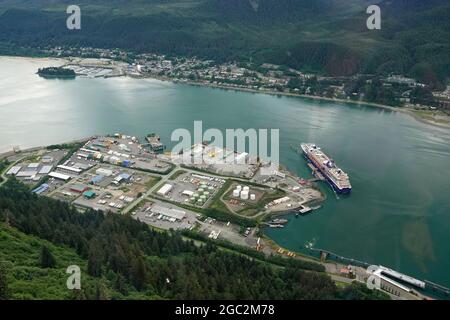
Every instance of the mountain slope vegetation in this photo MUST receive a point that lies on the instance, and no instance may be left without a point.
(123, 259)
(328, 36)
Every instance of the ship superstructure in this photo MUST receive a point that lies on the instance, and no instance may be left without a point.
(335, 176)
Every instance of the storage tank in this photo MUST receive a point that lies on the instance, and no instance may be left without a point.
(239, 188)
(246, 188)
(244, 195)
(236, 193)
(252, 196)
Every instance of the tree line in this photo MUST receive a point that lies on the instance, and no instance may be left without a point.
(133, 257)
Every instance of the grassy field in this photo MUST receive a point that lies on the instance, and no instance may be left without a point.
(176, 174)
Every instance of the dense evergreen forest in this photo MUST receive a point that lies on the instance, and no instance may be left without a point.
(124, 259)
(56, 72)
(325, 36)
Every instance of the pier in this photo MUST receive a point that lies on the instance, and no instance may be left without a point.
(428, 286)
(437, 288)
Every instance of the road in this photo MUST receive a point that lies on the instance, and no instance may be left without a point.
(3, 175)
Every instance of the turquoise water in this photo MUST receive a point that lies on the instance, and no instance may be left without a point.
(398, 214)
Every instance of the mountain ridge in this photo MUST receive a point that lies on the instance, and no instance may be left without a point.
(325, 36)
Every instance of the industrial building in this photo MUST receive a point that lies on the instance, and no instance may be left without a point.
(59, 176)
(78, 188)
(14, 170)
(45, 169)
(97, 179)
(26, 174)
(122, 177)
(165, 189)
(33, 165)
(47, 159)
(67, 169)
(42, 188)
(171, 214)
(89, 194)
(188, 193)
(104, 172)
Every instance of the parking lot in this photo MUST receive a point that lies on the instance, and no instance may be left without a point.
(191, 188)
(145, 214)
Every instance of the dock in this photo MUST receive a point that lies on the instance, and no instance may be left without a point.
(154, 142)
(388, 274)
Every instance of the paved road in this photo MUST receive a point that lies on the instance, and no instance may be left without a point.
(4, 177)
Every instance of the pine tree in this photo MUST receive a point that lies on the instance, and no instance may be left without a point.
(138, 273)
(47, 259)
(4, 292)
(95, 261)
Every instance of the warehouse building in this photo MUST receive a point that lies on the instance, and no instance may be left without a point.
(97, 179)
(59, 176)
(78, 188)
(165, 189)
(45, 169)
(47, 159)
(26, 174)
(171, 214)
(89, 194)
(104, 172)
(14, 170)
(33, 165)
(42, 188)
(67, 169)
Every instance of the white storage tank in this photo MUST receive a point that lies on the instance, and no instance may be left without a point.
(252, 196)
(236, 193)
(246, 188)
(239, 188)
(244, 195)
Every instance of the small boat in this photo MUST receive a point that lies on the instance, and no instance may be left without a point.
(276, 226)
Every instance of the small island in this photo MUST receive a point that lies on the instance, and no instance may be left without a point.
(56, 72)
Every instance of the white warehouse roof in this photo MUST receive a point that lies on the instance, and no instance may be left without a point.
(60, 176)
(14, 170)
(168, 212)
(71, 169)
(165, 189)
(45, 170)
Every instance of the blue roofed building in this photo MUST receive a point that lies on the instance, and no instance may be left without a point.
(97, 179)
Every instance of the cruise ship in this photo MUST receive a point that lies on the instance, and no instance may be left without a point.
(337, 178)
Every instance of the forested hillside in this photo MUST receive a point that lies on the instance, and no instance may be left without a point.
(123, 259)
(327, 36)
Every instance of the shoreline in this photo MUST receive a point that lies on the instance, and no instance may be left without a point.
(403, 110)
